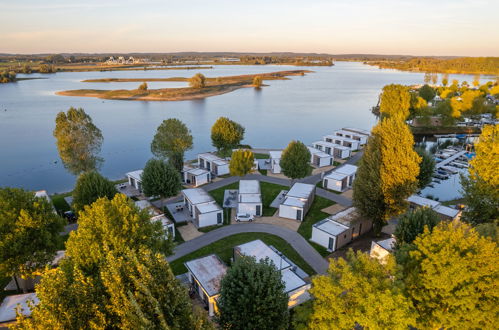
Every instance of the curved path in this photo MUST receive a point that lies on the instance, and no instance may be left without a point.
(305, 250)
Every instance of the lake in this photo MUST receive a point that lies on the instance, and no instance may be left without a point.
(303, 108)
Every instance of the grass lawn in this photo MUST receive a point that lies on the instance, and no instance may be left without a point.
(454, 202)
(261, 156)
(269, 193)
(60, 204)
(224, 247)
(315, 215)
(263, 172)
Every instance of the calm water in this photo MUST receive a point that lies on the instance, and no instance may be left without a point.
(303, 108)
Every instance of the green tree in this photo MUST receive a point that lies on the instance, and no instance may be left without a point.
(426, 167)
(143, 86)
(226, 134)
(427, 93)
(26, 68)
(359, 291)
(29, 233)
(172, 140)
(413, 223)
(295, 160)
(78, 141)
(241, 162)
(89, 187)
(257, 81)
(444, 110)
(197, 81)
(387, 172)
(252, 296)
(453, 278)
(395, 101)
(160, 179)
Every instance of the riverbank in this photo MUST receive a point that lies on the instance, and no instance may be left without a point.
(432, 130)
(214, 86)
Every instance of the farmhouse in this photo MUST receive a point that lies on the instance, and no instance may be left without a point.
(249, 197)
(214, 164)
(295, 286)
(319, 158)
(195, 176)
(335, 150)
(343, 141)
(297, 201)
(205, 275)
(202, 208)
(341, 178)
(340, 229)
(361, 137)
(275, 161)
(135, 179)
(444, 212)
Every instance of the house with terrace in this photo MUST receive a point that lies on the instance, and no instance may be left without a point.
(214, 164)
(195, 176)
(275, 161)
(319, 158)
(335, 150)
(340, 179)
(249, 198)
(205, 275)
(293, 278)
(343, 141)
(202, 208)
(444, 212)
(340, 229)
(297, 201)
(135, 179)
(157, 215)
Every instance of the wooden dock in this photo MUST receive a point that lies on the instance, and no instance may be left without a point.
(450, 159)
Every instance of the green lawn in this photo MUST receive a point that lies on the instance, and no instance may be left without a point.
(224, 247)
(315, 215)
(60, 204)
(261, 156)
(263, 172)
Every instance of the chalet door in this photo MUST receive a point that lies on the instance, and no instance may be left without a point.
(328, 150)
(325, 183)
(330, 246)
(298, 214)
(194, 181)
(258, 209)
(219, 218)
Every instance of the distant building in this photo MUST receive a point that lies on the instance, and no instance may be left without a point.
(341, 178)
(335, 150)
(444, 212)
(249, 197)
(297, 201)
(319, 158)
(275, 161)
(343, 141)
(135, 179)
(381, 249)
(216, 165)
(202, 208)
(195, 176)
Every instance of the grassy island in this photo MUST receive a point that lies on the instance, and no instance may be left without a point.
(212, 87)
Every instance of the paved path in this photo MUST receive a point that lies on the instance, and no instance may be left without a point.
(305, 250)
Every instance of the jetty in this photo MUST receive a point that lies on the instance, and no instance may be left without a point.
(450, 159)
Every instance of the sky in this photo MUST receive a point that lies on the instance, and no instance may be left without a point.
(423, 27)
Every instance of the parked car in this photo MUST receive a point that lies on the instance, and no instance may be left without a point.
(244, 217)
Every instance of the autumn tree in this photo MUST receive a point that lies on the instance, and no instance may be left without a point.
(160, 179)
(413, 223)
(29, 233)
(257, 81)
(426, 167)
(171, 141)
(197, 81)
(445, 79)
(78, 141)
(226, 134)
(241, 162)
(427, 93)
(143, 86)
(252, 296)
(395, 101)
(453, 278)
(359, 292)
(387, 172)
(295, 160)
(481, 189)
(89, 187)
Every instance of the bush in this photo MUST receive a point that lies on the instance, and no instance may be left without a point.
(197, 81)
(143, 86)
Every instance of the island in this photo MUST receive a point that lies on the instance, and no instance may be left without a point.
(212, 86)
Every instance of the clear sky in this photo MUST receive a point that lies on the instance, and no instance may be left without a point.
(423, 27)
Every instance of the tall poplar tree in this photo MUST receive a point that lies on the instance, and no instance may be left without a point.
(241, 162)
(395, 101)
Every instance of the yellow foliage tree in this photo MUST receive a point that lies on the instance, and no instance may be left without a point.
(464, 102)
(486, 163)
(395, 101)
(241, 162)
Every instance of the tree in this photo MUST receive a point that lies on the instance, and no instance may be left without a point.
(387, 173)
(160, 179)
(257, 81)
(45, 68)
(481, 188)
(241, 162)
(252, 296)
(359, 292)
(295, 160)
(78, 141)
(427, 93)
(172, 140)
(445, 79)
(413, 223)
(29, 232)
(89, 187)
(395, 101)
(453, 278)
(226, 134)
(426, 167)
(143, 86)
(197, 81)
(476, 80)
